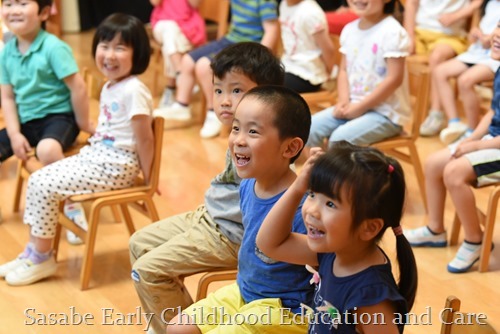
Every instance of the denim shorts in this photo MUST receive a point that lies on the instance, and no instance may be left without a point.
(61, 127)
(210, 50)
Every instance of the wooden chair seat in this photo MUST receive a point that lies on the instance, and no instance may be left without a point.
(455, 322)
(139, 196)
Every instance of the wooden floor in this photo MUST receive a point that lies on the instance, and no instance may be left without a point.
(188, 165)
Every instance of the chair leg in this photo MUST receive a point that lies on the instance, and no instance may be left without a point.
(415, 160)
(18, 187)
(455, 230)
(151, 207)
(57, 239)
(88, 256)
(488, 230)
(128, 219)
(116, 213)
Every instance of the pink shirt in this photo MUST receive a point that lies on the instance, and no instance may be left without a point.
(187, 18)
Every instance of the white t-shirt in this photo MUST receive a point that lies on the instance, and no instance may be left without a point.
(476, 53)
(302, 56)
(119, 103)
(366, 52)
(428, 16)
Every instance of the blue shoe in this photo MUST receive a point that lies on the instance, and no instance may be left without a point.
(423, 237)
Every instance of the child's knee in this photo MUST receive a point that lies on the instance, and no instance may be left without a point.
(48, 151)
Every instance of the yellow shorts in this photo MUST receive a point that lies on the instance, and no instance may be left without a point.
(426, 41)
(224, 311)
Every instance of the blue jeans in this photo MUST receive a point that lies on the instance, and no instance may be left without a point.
(369, 128)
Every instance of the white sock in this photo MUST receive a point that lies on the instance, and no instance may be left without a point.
(76, 213)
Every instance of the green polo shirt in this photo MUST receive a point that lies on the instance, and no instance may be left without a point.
(37, 76)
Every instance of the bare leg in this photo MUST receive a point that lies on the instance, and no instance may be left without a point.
(186, 80)
(436, 191)
(458, 177)
(438, 55)
(446, 97)
(204, 76)
(466, 82)
(48, 151)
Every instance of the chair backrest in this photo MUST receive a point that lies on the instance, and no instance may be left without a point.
(455, 322)
(419, 80)
(216, 11)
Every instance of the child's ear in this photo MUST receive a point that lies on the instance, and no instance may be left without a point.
(370, 228)
(292, 147)
(44, 13)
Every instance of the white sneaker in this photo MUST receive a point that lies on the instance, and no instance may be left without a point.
(423, 237)
(167, 98)
(454, 131)
(433, 124)
(28, 272)
(175, 111)
(467, 255)
(211, 127)
(11, 265)
(76, 213)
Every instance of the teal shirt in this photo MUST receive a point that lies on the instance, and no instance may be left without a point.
(37, 76)
(247, 18)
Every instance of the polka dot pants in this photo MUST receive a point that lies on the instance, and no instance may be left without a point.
(96, 168)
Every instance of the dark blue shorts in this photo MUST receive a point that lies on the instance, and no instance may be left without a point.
(210, 50)
(61, 127)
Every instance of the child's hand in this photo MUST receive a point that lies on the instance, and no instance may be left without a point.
(349, 111)
(301, 184)
(446, 19)
(89, 127)
(466, 146)
(474, 34)
(486, 41)
(340, 109)
(20, 145)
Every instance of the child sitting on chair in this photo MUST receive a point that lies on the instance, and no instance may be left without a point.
(121, 147)
(472, 161)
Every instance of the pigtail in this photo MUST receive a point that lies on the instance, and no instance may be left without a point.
(408, 278)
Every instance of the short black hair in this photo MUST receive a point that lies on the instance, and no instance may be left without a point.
(252, 59)
(42, 4)
(132, 33)
(292, 116)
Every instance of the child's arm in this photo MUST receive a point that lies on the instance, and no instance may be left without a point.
(322, 39)
(271, 34)
(194, 3)
(387, 327)
(474, 142)
(393, 79)
(80, 101)
(143, 132)
(18, 141)
(155, 2)
(410, 15)
(343, 92)
(464, 12)
(275, 238)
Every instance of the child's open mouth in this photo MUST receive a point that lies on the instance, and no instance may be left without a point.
(241, 160)
(314, 233)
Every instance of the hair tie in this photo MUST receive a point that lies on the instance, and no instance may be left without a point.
(398, 230)
(390, 168)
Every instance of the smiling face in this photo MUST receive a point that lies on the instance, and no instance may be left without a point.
(228, 93)
(372, 10)
(114, 59)
(495, 43)
(328, 222)
(22, 17)
(254, 141)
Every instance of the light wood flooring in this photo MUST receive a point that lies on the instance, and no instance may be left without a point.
(188, 164)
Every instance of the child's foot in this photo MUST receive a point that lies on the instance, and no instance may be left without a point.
(454, 131)
(467, 255)
(29, 272)
(175, 111)
(424, 237)
(211, 127)
(168, 97)
(433, 124)
(11, 265)
(76, 213)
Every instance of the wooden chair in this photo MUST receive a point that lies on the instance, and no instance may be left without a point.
(25, 168)
(488, 221)
(327, 96)
(419, 78)
(139, 196)
(455, 322)
(210, 277)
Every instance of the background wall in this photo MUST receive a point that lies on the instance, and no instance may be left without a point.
(92, 12)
